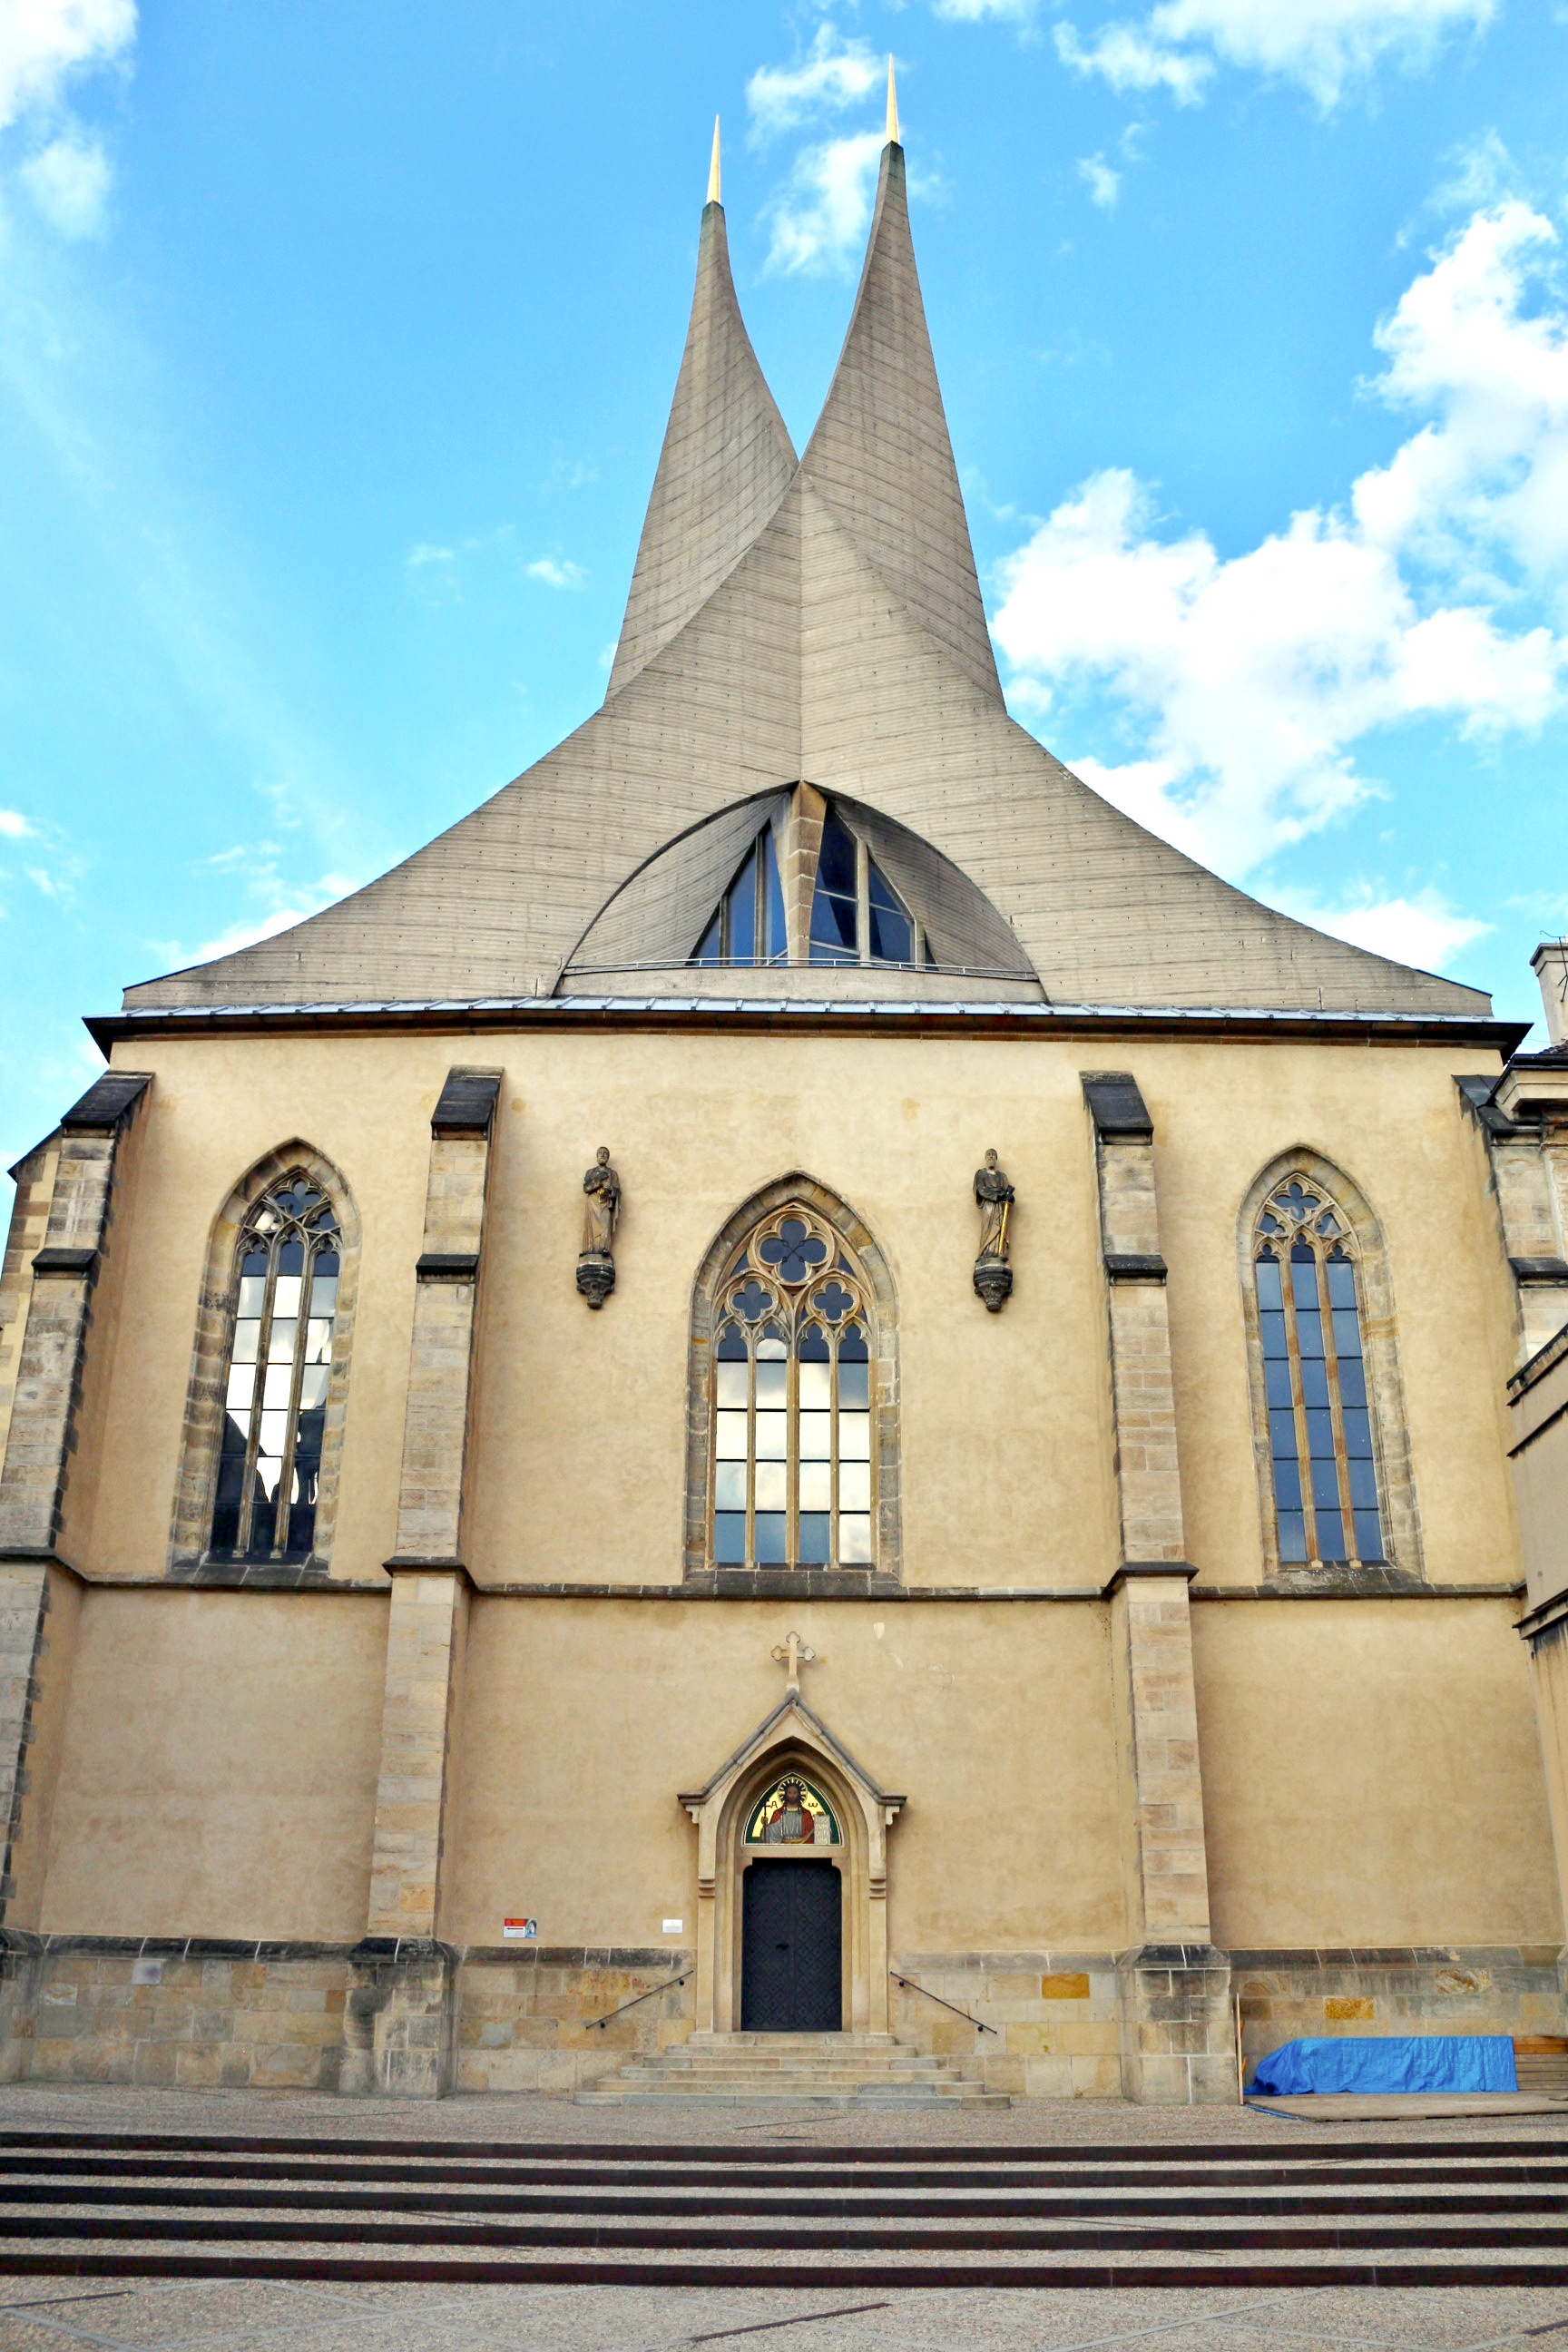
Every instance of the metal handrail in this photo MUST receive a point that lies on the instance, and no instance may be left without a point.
(668, 1986)
(978, 2023)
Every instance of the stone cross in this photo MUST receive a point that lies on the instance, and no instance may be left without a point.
(792, 1653)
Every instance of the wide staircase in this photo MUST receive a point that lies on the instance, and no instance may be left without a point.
(1276, 2206)
(824, 2069)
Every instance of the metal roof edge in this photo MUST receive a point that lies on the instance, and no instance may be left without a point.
(1503, 1037)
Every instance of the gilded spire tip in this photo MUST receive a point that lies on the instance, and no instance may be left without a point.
(892, 107)
(713, 195)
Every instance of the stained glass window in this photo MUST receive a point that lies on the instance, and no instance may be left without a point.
(1314, 1372)
(280, 1364)
(792, 1812)
(793, 1473)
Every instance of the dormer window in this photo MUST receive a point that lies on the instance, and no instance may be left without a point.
(842, 909)
(857, 916)
(748, 925)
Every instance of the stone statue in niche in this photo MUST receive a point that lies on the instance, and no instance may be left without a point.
(994, 1195)
(601, 1214)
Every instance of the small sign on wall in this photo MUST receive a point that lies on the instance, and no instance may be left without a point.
(673, 1927)
(520, 1931)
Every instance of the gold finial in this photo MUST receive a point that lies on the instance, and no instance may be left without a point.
(892, 107)
(713, 195)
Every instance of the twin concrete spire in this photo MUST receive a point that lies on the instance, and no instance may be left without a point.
(880, 457)
(812, 620)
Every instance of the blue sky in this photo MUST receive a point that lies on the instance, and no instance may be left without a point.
(336, 345)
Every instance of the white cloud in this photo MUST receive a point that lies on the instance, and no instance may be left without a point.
(1323, 45)
(70, 182)
(1243, 686)
(834, 74)
(555, 573)
(421, 555)
(42, 42)
(1104, 185)
(1424, 930)
(14, 826)
(819, 221)
(971, 12)
(1130, 60)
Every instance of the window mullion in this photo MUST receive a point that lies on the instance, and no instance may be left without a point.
(1336, 1408)
(1298, 1404)
(862, 900)
(792, 1452)
(833, 1456)
(259, 1389)
(281, 1530)
(751, 1449)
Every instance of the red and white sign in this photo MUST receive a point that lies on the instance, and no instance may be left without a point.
(520, 1931)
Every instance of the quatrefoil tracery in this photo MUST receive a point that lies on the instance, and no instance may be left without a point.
(792, 1268)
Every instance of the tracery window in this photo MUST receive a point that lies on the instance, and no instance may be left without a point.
(792, 1812)
(791, 1475)
(1310, 1309)
(279, 1363)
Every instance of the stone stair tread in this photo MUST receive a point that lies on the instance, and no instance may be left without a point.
(842, 2070)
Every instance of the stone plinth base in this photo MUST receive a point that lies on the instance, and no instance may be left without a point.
(1178, 2026)
(399, 2024)
(411, 2019)
(1285, 1996)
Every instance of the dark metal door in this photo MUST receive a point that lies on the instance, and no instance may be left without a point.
(791, 1948)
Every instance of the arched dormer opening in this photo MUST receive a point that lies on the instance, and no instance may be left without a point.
(800, 893)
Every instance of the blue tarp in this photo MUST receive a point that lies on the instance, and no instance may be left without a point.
(1423, 2061)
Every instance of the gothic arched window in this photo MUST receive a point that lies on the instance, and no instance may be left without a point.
(279, 1365)
(791, 1476)
(1311, 1304)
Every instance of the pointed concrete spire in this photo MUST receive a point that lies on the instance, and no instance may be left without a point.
(880, 453)
(893, 140)
(726, 462)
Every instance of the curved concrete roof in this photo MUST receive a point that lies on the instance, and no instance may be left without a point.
(819, 622)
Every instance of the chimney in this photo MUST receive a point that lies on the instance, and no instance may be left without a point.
(1549, 965)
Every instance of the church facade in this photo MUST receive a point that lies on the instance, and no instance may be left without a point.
(795, 1382)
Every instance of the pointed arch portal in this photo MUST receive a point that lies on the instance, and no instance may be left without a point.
(792, 1745)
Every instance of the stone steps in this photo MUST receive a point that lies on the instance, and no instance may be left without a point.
(843, 2068)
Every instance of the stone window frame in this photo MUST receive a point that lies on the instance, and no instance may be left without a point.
(796, 1190)
(1380, 1345)
(201, 1435)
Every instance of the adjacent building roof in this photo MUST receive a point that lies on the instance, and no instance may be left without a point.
(818, 620)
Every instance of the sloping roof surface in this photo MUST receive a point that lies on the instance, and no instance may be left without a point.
(820, 621)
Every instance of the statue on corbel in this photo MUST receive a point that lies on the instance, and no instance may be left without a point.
(995, 1196)
(601, 1214)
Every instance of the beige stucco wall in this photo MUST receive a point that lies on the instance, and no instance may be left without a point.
(1539, 1432)
(1372, 1775)
(584, 1720)
(218, 1767)
(578, 1463)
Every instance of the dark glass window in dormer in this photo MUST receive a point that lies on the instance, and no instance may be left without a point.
(892, 933)
(835, 904)
(748, 926)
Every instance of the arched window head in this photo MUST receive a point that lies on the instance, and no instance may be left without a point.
(794, 1355)
(1310, 1302)
(280, 1364)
